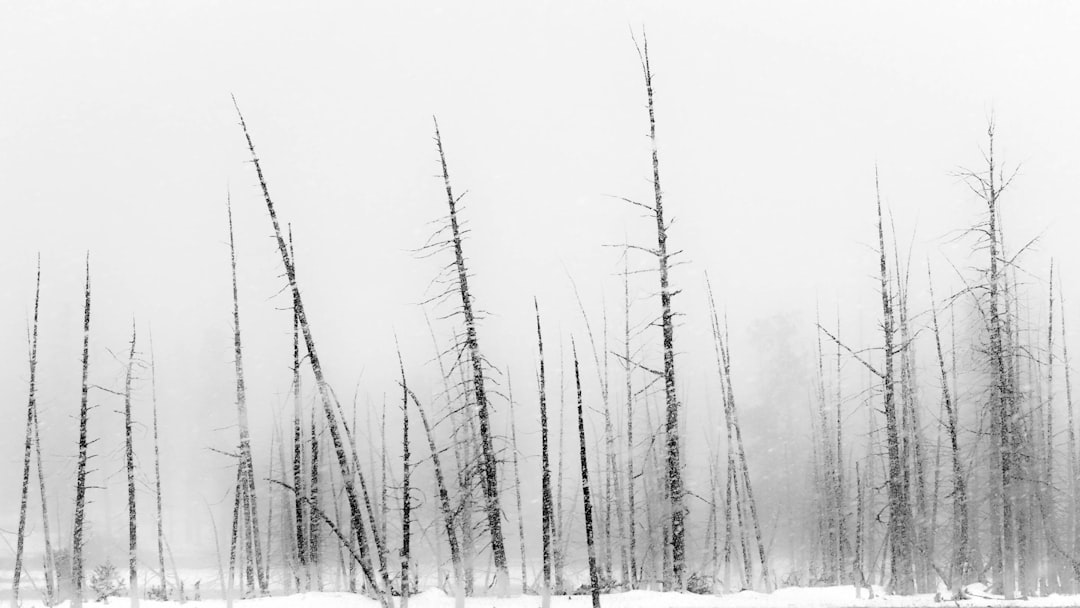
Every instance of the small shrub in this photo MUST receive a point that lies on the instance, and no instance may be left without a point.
(105, 582)
(158, 592)
(701, 584)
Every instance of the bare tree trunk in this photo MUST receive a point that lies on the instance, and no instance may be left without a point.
(80, 475)
(841, 530)
(51, 587)
(517, 490)
(129, 460)
(558, 517)
(31, 415)
(858, 572)
(1049, 497)
(270, 507)
(157, 474)
(50, 565)
(900, 520)
(489, 477)
(286, 539)
(631, 511)
(673, 464)
(314, 537)
(234, 540)
(828, 509)
(320, 381)
(1004, 489)
(241, 406)
(594, 571)
(384, 490)
(463, 460)
(299, 504)
(406, 508)
(444, 496)
(737, 452)
(962, 562)
(1074, 468)
(547, 522)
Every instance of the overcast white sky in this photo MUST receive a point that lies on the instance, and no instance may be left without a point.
(117, 136)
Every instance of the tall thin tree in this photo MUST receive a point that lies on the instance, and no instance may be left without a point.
(547, 522)
(80, 470)
(157, 472)
(30, 417)
(129, 462)
(594, 571)
(316, 367)
(489, 476)
(674, 482)
(246, 464)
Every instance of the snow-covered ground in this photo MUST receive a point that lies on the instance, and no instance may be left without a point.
(831, 597)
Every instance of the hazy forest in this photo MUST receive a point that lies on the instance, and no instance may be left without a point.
(540, 306)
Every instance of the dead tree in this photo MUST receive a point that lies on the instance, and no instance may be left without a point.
(246, 463)
(384, 490)
(299, 483)
(321, 384)
(1049, 522)
(900, 520)
(740, 488)
(51, 588)
(545, 471)
(594, 571)
(517, 492)
(961, 560)
(314, 537)
(608, 496)
(157, 473)
(445, 509)
(631, 512)
(1005, 489)
(406, 506)
(900, 525)
(1074, 467)
(31, 415)
(489, 476)
(129, 461)
(80, 470)
(559, 527)
(674, 481)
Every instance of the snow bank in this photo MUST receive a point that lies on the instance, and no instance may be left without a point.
(792, 597)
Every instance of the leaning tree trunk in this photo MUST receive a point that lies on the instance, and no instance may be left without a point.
(80, 474)
(50, 563)
(31, 415)
(739, 471)
(962, 562)
(489, 476)
(320, 381)
(594, 572)
(445, 509)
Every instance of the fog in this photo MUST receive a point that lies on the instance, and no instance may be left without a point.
(118, 137)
